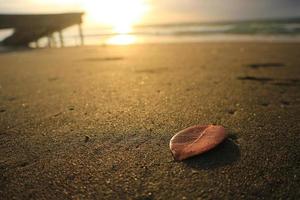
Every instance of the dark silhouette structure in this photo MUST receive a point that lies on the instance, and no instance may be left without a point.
(30, 28)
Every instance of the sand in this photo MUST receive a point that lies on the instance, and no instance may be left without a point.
(95, 122)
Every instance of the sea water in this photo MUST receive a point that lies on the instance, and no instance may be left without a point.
(287, 30)
(267, 30)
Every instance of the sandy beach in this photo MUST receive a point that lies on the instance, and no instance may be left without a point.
(95, 122)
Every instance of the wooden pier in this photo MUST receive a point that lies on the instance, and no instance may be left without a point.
(30, 28)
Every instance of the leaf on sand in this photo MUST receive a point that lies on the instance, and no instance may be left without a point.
(196, 140)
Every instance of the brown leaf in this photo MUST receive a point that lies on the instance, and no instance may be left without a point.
(196, 140)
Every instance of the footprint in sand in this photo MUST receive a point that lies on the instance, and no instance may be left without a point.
(101, 59)
(253, 78)
(152, 71)
(287, 82)
(265, 65)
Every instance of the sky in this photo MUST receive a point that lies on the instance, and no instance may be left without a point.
(160, 11)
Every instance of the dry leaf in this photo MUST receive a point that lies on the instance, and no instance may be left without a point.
(196, 140)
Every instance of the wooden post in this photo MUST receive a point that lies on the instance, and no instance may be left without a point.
(49, 41)
(61, 38)
(37, 44)
(53, 41)
(80, 34)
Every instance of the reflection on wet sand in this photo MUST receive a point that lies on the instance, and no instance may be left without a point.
(122, 39)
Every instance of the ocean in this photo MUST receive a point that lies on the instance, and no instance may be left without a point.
(266, 30)
(287, 30)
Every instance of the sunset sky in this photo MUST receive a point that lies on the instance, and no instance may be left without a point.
(158, 11)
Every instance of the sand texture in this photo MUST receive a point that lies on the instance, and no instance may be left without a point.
(95, 122)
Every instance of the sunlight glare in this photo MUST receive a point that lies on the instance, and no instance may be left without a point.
(121, 15)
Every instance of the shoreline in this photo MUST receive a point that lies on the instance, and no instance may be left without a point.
(5, 49)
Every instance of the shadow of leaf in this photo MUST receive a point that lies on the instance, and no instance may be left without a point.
(224, 154)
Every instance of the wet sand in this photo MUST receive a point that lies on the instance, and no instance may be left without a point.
(95, 122)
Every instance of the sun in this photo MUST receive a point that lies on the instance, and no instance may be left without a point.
(121, 15)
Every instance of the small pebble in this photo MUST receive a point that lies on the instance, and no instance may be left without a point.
(71, 108)
(86, 139)
(286, 103)
(264, 104)
(231, 111)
